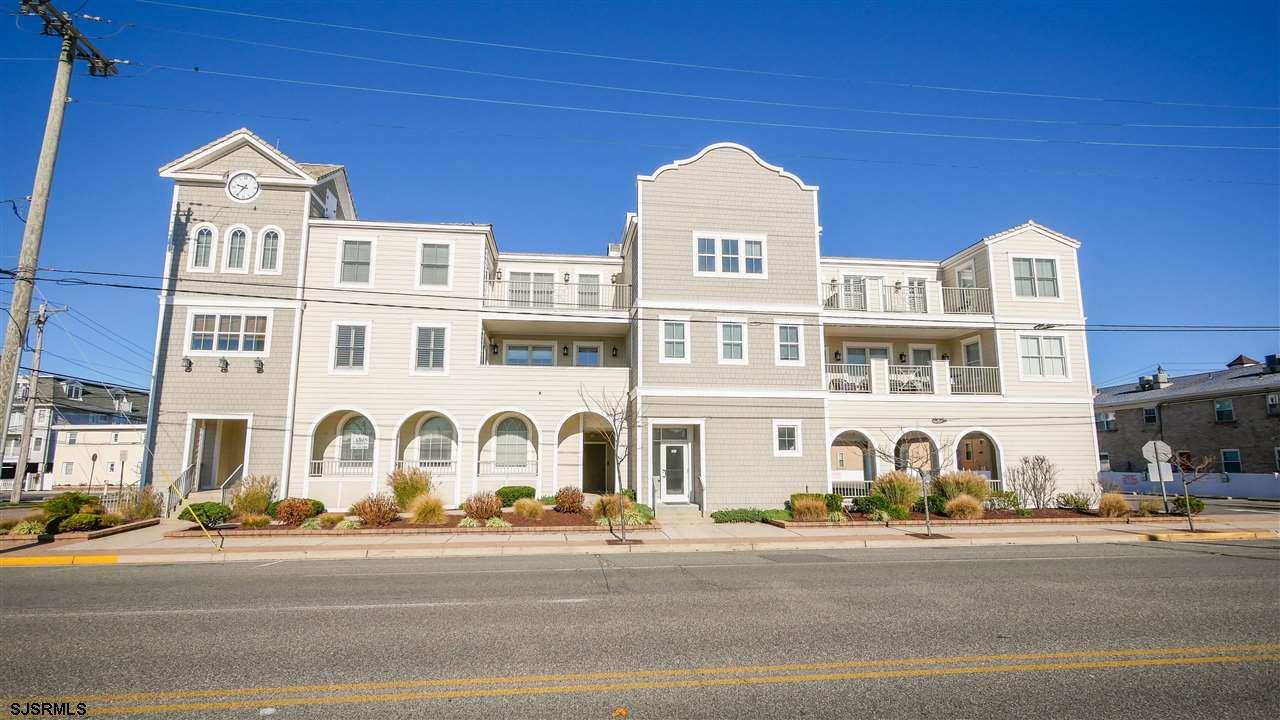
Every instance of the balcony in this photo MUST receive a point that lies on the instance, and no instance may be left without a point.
(972, 301)
(335, 468)
(940, 378)
(975, 381)
(541, 296)
(925, 297)
(912, 379)
(849, 378)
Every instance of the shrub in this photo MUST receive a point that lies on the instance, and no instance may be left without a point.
(496, 522)
(796, 497)
(351, 524)
(469, 522)
(937, 505)
(428, 510)
(777, 514)
(1035, 480)
(292, 511)
(1073, 501)
(79, 522)
(547, 499)
(71, 503)
(482, 506)
(34, 516)
(529, 508)
(609, 506)
(141, 504)
(407, 484)
(310, 524)
(329, 520)
(569, 500)
(953, 485)
(809, 510)
(964, 507)
(5, 525)
(1024, 512)
(879, 516)
(738, 515)
(110, 519)
(28, 527)
(253, 494)
(1112, 505)
(635, 515)
(900, 488)
(1149, 507)
(630, 493)
(376, 510)
(253, 521)
(509, 494)
(1003, 500)
(208, 513)
(317, 507)
(1180, 505)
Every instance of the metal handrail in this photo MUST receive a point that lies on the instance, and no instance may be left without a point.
(235, 477)
(178, 490)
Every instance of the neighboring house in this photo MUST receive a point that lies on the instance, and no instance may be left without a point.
(96, 455)
(752, 366)
(60, 401)
(1231, 416)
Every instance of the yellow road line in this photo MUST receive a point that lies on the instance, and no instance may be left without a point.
(668, 672)
(51, 560)
(692, 683)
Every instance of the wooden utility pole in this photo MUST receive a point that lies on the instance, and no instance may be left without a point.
(75, 46)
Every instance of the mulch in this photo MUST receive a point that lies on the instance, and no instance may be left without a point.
(550, 518)
(1011, 515)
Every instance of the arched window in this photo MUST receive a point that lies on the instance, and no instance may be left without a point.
(270, 259)
(236, 245)
(435, 441)
(357, 440)
(512, 443)
(203, 253)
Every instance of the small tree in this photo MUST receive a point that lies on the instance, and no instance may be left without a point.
(927, 468)
(615, 408)
(1191, 470)
(1035, 480)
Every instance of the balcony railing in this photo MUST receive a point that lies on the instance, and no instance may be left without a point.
(490, 468)
(975, 301)
(849, 378)
(555, 296)
(906, 299)
(342, 468)
(910, 379)
(975, 380)
(844, 296)
(851, 488)
(437, 468)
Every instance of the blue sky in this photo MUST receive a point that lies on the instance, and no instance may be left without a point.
(1171, 235)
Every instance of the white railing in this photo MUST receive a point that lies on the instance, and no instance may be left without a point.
(905, 299)
(849, 378)
(491, 468)
(553, 295)
(437, 468)
(844, 296)
(179, 489)
(341, 468)
(975, 380)
(231, 482)
(910, 378)
(851, 488)
(966, 300)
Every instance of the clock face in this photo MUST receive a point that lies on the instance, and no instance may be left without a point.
(242, 186)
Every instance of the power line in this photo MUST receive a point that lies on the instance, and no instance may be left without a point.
(706, 119)
(696, 66)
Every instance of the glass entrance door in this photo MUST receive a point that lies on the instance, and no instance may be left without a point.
(675, 470)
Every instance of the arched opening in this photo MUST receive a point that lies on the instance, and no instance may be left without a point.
(916, 453)
(428, 440)
(508, 451)
(977, 452)
(853, 464)
(342, 445)
(585, 453)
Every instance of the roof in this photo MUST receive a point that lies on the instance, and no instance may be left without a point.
(320, 170)
(95, 397)
(1228, 381)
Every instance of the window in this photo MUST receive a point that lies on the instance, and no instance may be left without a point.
(586, 355)
(1150, 416)
(429, 349)
(1231, 462)
(1106, 421)
(755, 257)
(115, 438)
(433, 264)
(973, 354)
(864, 355)
(349, 347)
(227, 338)
(921, 356)
(1273, 403)
(512, 444)
(36, 444)
(22, 391)
(237, 249)
(72, 437)
(1035, 277)
(42, 416)
(675, 341)
(202, 252)
(435, 441)
(706, 255)
(68, 468)
(202, 332)
(1224, 410)
(111, 467)
(589, 291)
(790, 345)
(356, 261)
(1104, 461)
(966, 277)
(269, 252)
(217, 334)
(356, 445)
(541, 355)
(255, 334)
(1043, 356)
(733, 342)
(74, 391)
(529, 289)
(786, 438)
(730, 254)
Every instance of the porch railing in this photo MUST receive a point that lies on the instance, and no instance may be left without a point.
(491, 468)
(910, 378)
(844, 296)
(975, 380)
(437, 468)
(849, 378)
(552, 295)
(229, 484)
(179, 489)
(342, 468)
(966, 300)
(905, 299)
(851, 488)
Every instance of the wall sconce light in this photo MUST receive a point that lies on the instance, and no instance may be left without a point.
(615, 351)
(566, 277)
(258, 364)
(498, 274)
(838, 356)
(902, 357)
(564, 350)
(493, 348)
(186, 364)
(223, 364)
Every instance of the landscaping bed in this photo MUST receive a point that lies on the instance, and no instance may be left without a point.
(994, 517)
(551, 521)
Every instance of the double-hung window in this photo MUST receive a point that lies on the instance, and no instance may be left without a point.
(72, 437)
(237, 257)
(706, 255)
(740, 254)
(429, 349)
(68, 468)
(586, 355)
(356, 261)
(755, 257)
(349, 347)
(269, 252)
(674, 341)
(1231, 462)
(729, 255)
(202, 327)
(1043, 356)
(1035, 277)
(1224, 410)
(433, 267)
(228, 333)
(1105, 421)
(733, 342)
(786, 438)
(790, 341)
(1150, 416)
(227, 338)
(1273, 403)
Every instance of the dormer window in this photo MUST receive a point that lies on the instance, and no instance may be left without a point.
(74, 391)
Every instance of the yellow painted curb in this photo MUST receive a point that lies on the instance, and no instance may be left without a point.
(1211, 535)
(51, 560)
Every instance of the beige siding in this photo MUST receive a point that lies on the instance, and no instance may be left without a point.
(1031, 242)
(202, 203)
(705, 370)
(246, 157)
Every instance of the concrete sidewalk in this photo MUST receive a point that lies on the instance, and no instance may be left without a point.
(149, 545)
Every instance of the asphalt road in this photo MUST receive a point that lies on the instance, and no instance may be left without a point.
(1149, 631)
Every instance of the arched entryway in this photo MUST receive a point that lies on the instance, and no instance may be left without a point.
(428, 440)
(342, 445)
(853, 464)
(976, 451)
(585, 453)
(917, 453)
(508, 451)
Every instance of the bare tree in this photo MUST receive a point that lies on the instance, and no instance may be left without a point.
(927, 468)
(1035, 480)
(1191, 470)
(615, 408)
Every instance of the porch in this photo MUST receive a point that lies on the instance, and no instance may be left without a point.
(916, 296)
(929, 363)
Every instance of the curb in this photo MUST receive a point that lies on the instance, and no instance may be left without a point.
(1211, 535)
(356, 532)
(50, 560)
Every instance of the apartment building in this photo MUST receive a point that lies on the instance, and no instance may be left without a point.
(298, 340)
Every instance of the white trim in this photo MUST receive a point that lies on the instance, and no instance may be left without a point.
(647, 450)
(718, 237)
(354, 224)
(191, 245)
(778, 323)
(556, 258)
(879, 262)
(1222, 459)
(912, 347)
(731, 393)
(215, 150)
(799, 451)
(337, 260)
(153, 398)
(861, 345)
(598, 344)
(417, 270)
(498, 416)
(262, 234)
(721, 322)
(1066, 356)
(247, 256)
(531, 344)
(347, 412)
(1035, 279)
(240, 311)
(662, 335)
(333, 346)
(194, 416)
(966, 342)
(232, 175)
(413, 348)
(693, 305)
(179, 299)
(716, 146)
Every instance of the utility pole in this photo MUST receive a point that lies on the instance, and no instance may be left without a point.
(24, 447)
(75, 46)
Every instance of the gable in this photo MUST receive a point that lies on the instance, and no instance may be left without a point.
(238, 150)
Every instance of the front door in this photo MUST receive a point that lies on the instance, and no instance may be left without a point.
(675, 472)
(595, 468)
